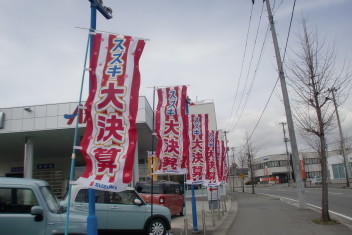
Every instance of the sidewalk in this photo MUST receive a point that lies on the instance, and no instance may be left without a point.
(265, 215)
(250, 214)
(213, 221)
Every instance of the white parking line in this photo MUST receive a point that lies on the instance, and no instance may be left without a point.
(335, 193)
(311, 205)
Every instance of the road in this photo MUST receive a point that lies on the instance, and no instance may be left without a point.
(340, 200)
(264, 215)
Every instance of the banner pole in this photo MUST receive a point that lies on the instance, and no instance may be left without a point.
(185, 188)
(92, 224)
(73, 157)
(152, 175)
(194, 210)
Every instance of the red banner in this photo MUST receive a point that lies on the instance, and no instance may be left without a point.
(110, 138)
(211, 173)
(221, 157)
(198, 129)
(172, 130)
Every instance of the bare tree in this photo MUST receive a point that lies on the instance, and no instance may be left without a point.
(243, 163)
(249, 156)
(311, 72)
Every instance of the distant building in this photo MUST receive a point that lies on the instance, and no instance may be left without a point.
(278, 168)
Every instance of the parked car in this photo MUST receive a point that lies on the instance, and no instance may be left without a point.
(28, 206)
(165, 193)
(121, 211)
(317, 180)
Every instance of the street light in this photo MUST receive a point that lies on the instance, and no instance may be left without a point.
(92, 226)
(104, 10)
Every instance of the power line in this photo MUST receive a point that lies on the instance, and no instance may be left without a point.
(231, 127)
(244, 56)
(254, 76)
(288, 35)
(249, 69)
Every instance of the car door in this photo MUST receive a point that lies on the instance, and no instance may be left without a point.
(123, 213)
(15, 212)
(170, 199)
(179, 198)
(81, 203)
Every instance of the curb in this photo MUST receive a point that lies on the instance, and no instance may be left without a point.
(228, 219)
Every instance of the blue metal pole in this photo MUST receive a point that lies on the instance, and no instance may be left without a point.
(92, 227)
(194, 210)
(74, 144)
(184, 195)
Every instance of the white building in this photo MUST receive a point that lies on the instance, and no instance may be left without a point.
(278, 167)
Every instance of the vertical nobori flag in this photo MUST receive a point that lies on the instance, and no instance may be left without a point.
(220, 155)
(211, 173)
(110, 138)
(198, 129)
(172, 130)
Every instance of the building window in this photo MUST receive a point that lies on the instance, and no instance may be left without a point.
(282, 163)
(310, 161)
(338, 171)
(312, 174)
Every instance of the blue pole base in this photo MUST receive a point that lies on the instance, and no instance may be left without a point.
(92, 224)
(194, 211)
(92, 228)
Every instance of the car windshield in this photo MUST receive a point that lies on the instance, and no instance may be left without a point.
(146, 188)
(51, 200)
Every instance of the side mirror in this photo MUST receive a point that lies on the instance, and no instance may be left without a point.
(137, 202)
(38, 212)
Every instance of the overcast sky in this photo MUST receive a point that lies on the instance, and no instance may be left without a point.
(200, 43)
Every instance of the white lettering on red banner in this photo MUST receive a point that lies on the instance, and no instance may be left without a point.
(110, 138)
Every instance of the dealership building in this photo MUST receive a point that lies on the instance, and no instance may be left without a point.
(37, 141)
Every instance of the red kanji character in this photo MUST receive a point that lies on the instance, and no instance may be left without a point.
(111, 127)
(169, 162)
(197, 158)
(172, 146)
(197, 144)
(110, 96)
(211, 166)
(172, 127)
(106, 160)
(197, 172)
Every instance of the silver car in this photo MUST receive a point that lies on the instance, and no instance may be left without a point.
(122, 211)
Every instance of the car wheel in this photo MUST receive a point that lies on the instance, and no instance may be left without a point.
(157, 227)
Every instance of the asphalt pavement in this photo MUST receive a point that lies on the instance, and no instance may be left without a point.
(248, 214)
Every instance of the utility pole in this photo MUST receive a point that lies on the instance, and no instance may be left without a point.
(287, 154)
(342, 140)
(234, 168)
(227, 154)
(291, 130)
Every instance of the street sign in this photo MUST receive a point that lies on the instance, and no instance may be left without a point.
(242, 175)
